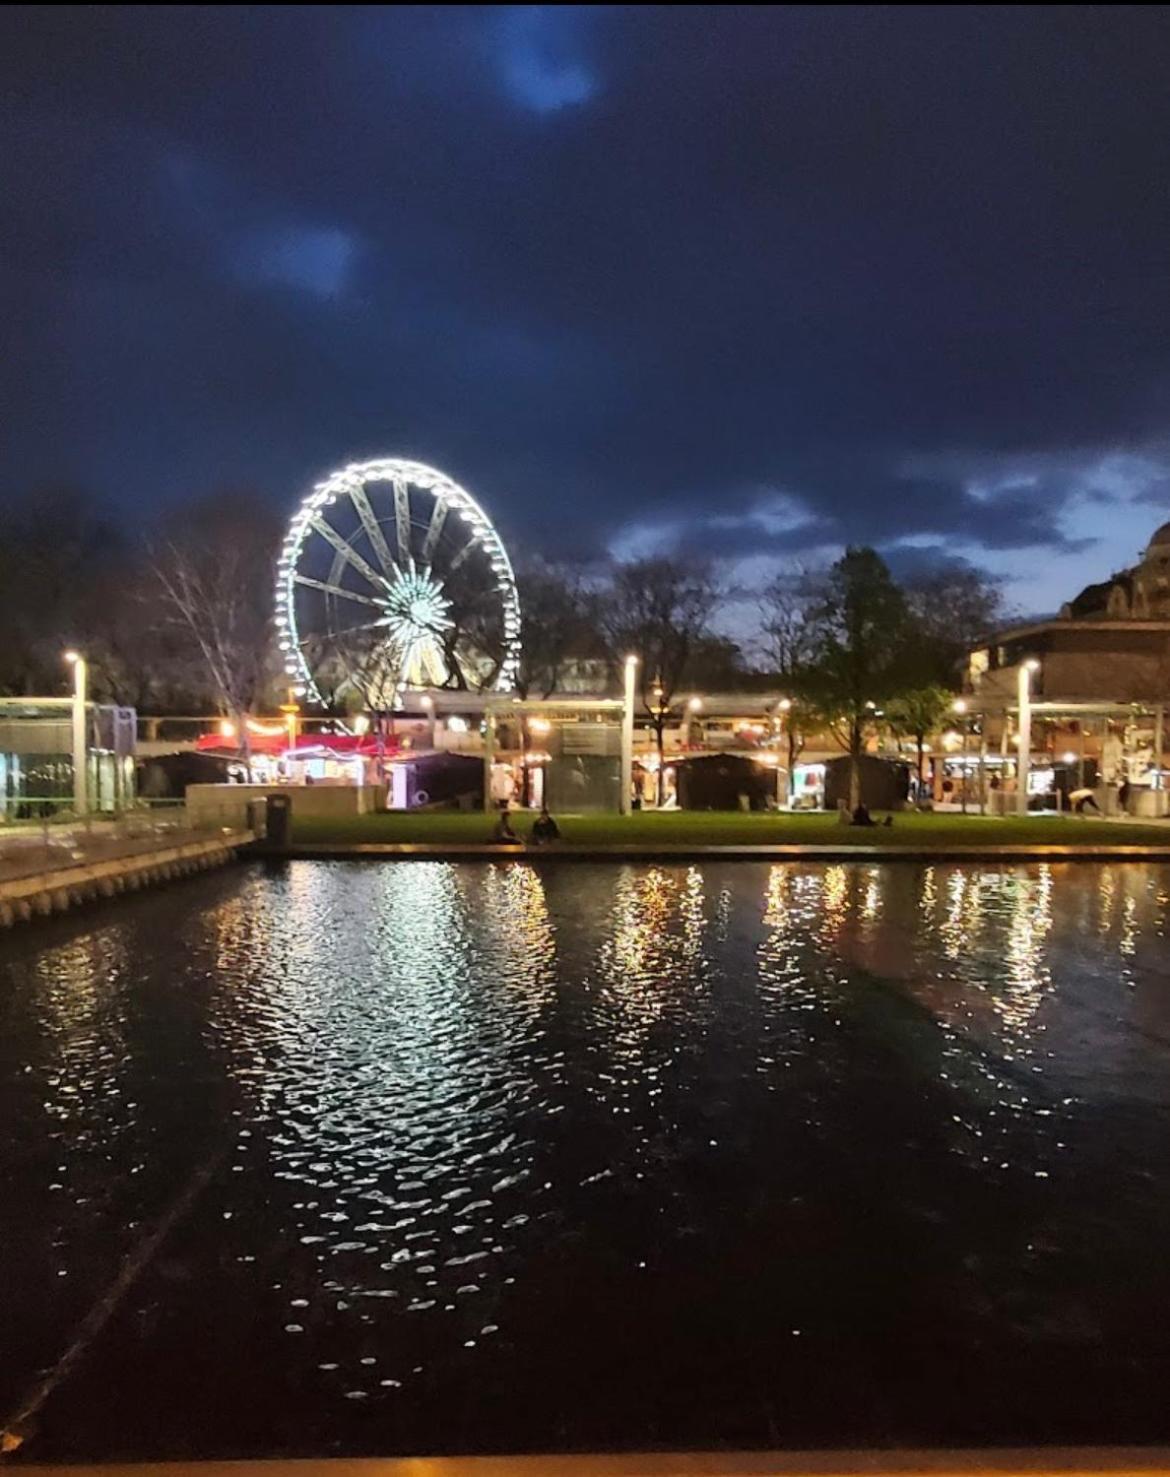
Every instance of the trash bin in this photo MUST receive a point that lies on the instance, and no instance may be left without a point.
(278, 821)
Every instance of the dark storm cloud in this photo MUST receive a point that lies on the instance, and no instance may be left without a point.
(619, 269)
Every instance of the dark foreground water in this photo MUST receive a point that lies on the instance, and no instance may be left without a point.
(471, 1157)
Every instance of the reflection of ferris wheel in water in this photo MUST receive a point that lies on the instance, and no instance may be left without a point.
(391, 576)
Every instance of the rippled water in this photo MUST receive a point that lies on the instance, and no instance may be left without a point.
(509, 1156)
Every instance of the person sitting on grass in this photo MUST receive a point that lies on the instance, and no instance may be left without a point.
(503, 832)
(544, 828)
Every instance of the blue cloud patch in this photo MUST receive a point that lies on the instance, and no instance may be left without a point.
(535, 44)
(312, 259)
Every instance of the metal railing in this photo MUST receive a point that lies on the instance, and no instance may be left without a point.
(64, 839)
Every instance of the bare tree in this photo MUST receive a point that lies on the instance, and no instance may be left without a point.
(950, 609)
(54, 555)
(134, 659)
(788, 629)
(555, 630)
(660, 610)
(555, 626)
(213, 566)
(789, 613)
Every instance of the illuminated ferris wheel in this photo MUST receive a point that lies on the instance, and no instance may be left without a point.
(392, 577)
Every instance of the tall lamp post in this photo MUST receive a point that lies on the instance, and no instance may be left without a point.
(785, 722)
(290, 710)
(627, 779)
(959, 707)
(80, 747)
(1024, 739)
(694, 708)
(659, 710)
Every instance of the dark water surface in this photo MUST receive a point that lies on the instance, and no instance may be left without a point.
(501, 1157)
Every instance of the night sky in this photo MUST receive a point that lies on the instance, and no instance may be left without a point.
(748, 281)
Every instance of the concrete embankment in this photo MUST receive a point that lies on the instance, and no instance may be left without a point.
(56, 888)
(779, 852)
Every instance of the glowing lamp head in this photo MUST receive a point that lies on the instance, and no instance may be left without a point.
(227, 729)
(959, 705)
(427, 701)
(785, 704)
(72, 657)
(695, 704)
(1032, 665)
(1069, 757)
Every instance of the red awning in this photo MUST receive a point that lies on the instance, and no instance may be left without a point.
(309, 746)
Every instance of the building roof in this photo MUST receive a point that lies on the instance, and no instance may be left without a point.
(1091, 600)
(1042, 625)
(1161, 536)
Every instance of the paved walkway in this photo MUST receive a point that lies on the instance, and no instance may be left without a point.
(29, 849)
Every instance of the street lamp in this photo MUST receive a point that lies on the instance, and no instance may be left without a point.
(1024, 697)
(627, 779)
(784, 726)
(80, 747)
(427, 703)
(660, 710)
(695, 726)
(290, 711)
(959, 706)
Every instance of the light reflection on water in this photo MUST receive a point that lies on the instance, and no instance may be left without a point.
(476, 1113)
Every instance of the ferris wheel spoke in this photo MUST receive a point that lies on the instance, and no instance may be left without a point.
(361, 502)
(351, 556)
(468, 549)
(333, 589)
(402, 522)
(352, 630)
(434, 531)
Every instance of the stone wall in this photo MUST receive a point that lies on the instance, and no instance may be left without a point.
(229, 803)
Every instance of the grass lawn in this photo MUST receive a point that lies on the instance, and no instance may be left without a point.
(689, 828)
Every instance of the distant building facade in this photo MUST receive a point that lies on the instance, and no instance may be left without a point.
(1110, 644)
